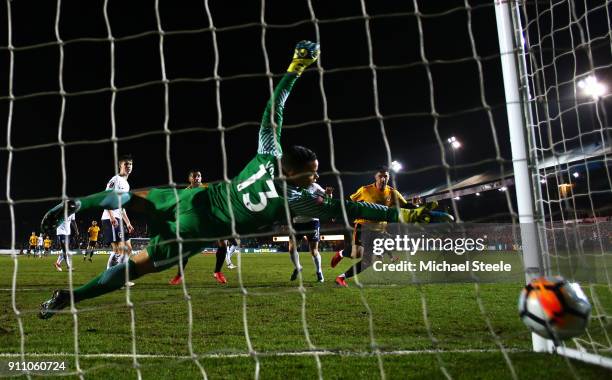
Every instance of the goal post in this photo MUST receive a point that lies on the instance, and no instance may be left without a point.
(520, 160)
(547, 55)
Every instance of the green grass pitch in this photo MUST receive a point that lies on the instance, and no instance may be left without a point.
(337, 322)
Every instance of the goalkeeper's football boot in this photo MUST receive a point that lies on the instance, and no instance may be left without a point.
(220, 277)
(306, 53)
(55, 216)
(340, 281)
(336, 259)
(59, 301)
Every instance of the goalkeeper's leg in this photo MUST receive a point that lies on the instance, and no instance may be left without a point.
(159, 255)
(157, 204)
(105, 200)
(109, 280)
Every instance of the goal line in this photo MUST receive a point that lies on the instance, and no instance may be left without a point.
(269, 354)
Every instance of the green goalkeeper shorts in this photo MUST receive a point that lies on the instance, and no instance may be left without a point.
(197, 225)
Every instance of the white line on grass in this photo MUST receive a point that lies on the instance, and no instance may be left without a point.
(269, 354)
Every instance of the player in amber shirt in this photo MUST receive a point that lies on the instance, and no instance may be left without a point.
(33, 240)
(47, 245)
(380, 193)
(93, 232)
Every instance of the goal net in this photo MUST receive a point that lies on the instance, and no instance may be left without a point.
(417, 83)
(564, 63)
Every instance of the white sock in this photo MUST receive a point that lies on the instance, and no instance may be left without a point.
(68, 260)
(60, 258)
(110, 260)
(316, 259)
(228, 254)
(295, 259)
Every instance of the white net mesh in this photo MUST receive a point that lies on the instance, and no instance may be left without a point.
(568, 57)
(184, 86)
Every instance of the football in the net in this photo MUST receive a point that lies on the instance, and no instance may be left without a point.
(554, 308)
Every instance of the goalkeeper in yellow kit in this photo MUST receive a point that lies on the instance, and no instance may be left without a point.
(251, 202)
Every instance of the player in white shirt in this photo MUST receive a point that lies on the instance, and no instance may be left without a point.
(116, 225)
(308, 228)
(39, 245)
(63, 238)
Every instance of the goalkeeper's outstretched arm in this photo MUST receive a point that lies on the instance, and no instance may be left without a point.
(306, 53)
(328, 208)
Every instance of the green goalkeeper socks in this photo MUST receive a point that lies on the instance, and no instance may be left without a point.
(107, 281)
(107, 200)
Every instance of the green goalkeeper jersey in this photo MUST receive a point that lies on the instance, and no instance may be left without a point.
(256, 197)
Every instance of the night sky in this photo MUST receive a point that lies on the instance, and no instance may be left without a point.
(195, 142)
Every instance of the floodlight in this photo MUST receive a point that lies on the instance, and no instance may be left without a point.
(591, 87)
(396, 166)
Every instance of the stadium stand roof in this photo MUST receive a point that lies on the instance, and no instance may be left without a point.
(497, 180)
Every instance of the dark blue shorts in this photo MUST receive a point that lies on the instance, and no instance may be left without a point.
(310, 229)
(114, 234)
(63, 240)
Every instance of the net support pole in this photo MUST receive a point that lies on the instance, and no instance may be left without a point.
(532, 259)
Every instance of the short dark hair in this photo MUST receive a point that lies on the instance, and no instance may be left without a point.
(382, 168)
(193, 171)
(296, 157)
(125, 157)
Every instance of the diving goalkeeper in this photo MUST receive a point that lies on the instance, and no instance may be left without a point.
(182, 222)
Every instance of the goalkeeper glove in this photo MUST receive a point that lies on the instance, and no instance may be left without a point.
(424, 214)
(306, 53)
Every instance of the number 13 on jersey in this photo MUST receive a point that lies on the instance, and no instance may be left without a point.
(270, 193)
